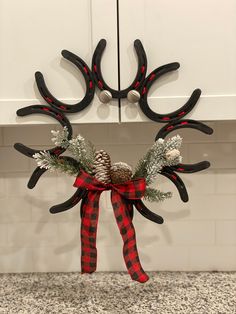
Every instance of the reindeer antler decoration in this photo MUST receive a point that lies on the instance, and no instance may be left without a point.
(127, 189)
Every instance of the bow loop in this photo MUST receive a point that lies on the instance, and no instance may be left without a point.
(133, 189)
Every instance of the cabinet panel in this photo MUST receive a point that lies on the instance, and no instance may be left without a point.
(201, 35)
(32, 35)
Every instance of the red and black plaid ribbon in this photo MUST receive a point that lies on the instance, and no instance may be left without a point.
(120, 196)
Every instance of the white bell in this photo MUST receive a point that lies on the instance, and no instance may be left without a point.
(133, 96)
(105, 96)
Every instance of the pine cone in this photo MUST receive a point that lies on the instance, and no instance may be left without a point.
(120, 172)
(101, 167)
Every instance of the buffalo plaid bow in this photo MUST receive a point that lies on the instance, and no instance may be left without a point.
(120, 196)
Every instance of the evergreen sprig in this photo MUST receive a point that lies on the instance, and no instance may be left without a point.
(51, 162)
(83, 151)
(160, 155)
(154, 195)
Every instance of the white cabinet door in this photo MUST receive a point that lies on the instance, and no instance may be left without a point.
(32, 36)
(200, 35)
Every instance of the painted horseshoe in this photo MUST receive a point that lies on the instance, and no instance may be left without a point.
(90, 87)
(29, 152)
(168, 117)
(191, 124)
(140, 76)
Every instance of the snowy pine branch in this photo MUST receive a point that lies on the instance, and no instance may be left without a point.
(160, 155)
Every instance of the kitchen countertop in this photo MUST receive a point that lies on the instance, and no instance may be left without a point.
(165, 292)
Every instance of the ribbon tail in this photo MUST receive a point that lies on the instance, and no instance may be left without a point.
(127, 231)
(89, 221)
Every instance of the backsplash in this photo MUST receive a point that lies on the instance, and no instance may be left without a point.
(198, 235)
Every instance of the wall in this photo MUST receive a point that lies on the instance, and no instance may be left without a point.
(199, 235)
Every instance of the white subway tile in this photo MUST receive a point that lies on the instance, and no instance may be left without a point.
(110, 258)
(173, 258)
(69, 234)
(133, 133)
(16, 260)
(56, 259)
(16, 184)
(3, 186)
(46, 188)
(40, 213)
(3, 235)
(176, 233)
(1, 136)
(226, 181)
(108, 234)
(225, 131)
(203, 182)
(28, 135)
(32, 239)
(15, 209)
(213, 258)
(226, 232)
(32, 234)
(220, 155)
(12, 161)
(214, 207)
(96, 133)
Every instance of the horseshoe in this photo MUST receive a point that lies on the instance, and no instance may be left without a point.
(90, 87)
(191, 124)
(140, 76)
(173, 177)
(70, 203)
(147, 213)
(168, 117)
(29, 152)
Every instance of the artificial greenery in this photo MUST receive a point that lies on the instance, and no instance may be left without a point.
(157, 157)
(154, 195)
(161, 154)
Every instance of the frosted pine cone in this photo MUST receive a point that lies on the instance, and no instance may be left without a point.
(101, 167)
(120, 172)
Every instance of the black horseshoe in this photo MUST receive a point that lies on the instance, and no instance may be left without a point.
(147, 213)
(140, 76)
(173, 177)
(168, 117)
(70, 203)
(29, 152)
(181, 124)
(90, 87)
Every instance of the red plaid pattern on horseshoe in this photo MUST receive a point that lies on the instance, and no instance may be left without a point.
(120, 196)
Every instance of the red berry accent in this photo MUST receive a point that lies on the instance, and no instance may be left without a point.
(90, 84)
(184, 123)
(180, 169)
(170, 127)
(63, 107)
(85, 70)
(181, 113)
(95, 68)
(46, 109)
